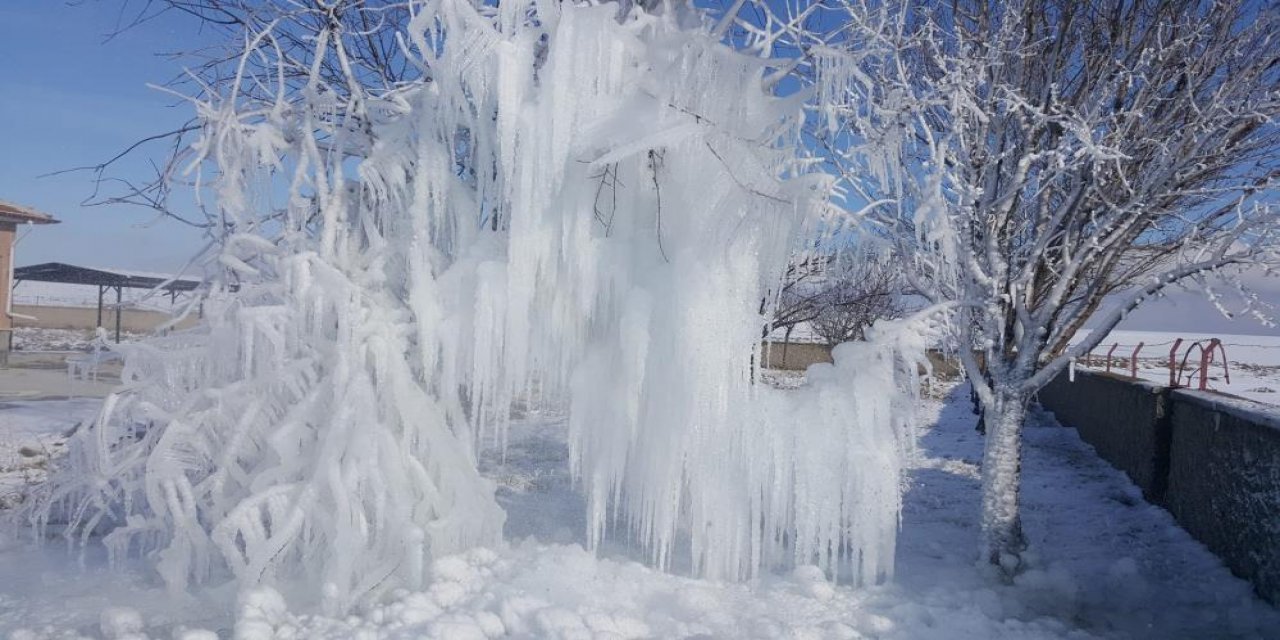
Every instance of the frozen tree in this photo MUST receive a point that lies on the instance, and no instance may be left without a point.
(799, 295)
(374, 59)
(862, 289)
(1044, 163)
(547, 203)
(840, 293)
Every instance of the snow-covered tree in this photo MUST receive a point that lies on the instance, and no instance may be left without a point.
(799, 296)
(863, 289)
(1044, 163)
(839, 295)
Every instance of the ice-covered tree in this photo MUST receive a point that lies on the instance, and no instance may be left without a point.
(548, 203)
(839, 294)
(863, 289)
(1045, 163)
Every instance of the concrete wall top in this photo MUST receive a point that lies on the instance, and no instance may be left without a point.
(1242, 408)
(1153, 387)
(1263, 415)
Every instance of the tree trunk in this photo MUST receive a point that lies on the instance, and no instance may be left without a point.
(1002, 539)
(786, 342)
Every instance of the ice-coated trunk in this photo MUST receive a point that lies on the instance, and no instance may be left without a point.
(1002, 539)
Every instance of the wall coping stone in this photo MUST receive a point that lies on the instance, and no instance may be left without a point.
(1248, 410)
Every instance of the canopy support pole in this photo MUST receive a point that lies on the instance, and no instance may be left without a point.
(119, 296)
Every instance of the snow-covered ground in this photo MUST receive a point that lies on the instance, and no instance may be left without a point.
(1105, 564)
(1253, 360)
(38, 339)
(30, 434)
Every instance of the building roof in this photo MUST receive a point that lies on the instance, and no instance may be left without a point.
(10, 212)
(72, 274)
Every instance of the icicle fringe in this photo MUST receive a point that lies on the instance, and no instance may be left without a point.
(628, 195)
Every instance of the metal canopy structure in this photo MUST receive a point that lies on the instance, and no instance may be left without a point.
(105, 280)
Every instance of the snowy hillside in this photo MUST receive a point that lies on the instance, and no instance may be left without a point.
(1189, 308)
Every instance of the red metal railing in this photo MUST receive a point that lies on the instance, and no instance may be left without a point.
(1133, 360)
(1173, 355)
(1207, 354)
(1109, 353)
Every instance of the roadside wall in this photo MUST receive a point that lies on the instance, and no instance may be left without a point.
(795, 356)
(57, 317)
(1224, 483)
(1212, 460)
(1125, 421)
(799, 355)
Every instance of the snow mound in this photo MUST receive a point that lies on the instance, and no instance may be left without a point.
(1103, 564)
(566, 592)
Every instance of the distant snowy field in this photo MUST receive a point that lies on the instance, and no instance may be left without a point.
(1105, 564)
(1253, 360)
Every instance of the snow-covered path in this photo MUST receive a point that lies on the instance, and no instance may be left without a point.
(1105, 564)
(1103, 560)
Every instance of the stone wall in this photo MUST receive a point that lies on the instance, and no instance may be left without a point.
(1224, 483)
(799, 355)
(1212, 460)
(795, 356)
(56, 317)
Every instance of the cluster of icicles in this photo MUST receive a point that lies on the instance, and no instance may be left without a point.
(323, 424)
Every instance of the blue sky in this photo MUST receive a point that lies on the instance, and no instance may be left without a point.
(69, 97)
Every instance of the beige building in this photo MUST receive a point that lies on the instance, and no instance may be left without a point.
(11, 216)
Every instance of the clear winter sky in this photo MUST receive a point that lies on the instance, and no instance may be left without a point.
(71, 97)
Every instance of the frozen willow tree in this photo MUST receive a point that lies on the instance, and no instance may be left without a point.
(1044, 163)
(561, 203)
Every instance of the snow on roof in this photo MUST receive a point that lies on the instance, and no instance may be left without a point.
(134, 273)
(76, 274)
(11, 212)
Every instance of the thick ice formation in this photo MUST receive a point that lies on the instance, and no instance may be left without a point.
(573, 209)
